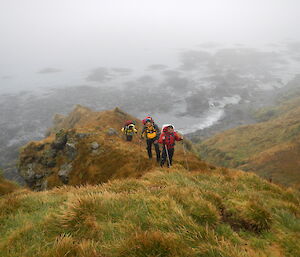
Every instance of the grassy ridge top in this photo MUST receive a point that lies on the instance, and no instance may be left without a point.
(87, 147)
(166, 213)
(270, 148)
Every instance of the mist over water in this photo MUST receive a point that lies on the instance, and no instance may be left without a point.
(79, 36)
(183, 62)
(200, 65)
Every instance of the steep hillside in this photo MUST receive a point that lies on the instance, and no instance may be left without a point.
(270, 148)
(166, 213)
(119, 204)
(6, 186)
(87, 147)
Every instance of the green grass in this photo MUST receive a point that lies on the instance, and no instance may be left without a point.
(218, 213)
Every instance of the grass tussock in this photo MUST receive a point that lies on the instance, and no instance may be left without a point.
(154, 243)
(165, 213)
(250, 216)
(67, 246)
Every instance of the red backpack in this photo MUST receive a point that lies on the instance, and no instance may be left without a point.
(128, 122)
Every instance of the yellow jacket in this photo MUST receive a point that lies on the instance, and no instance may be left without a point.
(129, 130)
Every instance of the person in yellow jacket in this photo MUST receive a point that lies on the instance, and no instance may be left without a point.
(129, 130)
(151, 132)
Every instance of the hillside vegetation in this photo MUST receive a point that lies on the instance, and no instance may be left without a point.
(6, 186)
(87, 147)
(166, 213)
(101, 197)
(270, 148)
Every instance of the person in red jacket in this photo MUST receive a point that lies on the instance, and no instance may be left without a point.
(168, 138)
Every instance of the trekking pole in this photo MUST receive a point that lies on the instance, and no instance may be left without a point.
(185, 155)
(167, 153)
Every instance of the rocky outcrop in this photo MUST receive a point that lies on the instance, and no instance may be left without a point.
(39, 160)
(111, 132)
(72, 146)
(64, 173)
(60, 140)
(86, 147)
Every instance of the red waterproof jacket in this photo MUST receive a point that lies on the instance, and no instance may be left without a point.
(169, 139)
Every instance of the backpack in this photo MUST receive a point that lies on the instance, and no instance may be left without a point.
(151, 132)
(170, 139)
(129, 129)
(128, 122)
(165, 127)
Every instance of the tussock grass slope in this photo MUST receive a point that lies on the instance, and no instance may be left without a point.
(172, 212)
(270, 148)
(66, 156)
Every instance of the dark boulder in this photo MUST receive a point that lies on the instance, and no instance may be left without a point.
(64, 173)
(60, 141)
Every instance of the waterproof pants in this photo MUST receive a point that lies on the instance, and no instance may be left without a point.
(149, 149)
(164, 156)
(129, 137)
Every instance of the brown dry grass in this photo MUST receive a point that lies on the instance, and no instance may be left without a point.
(6, 186)
(116, 158)
(270, 149)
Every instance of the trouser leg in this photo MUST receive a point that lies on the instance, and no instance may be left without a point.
(129, 138)
(157, 152)
(167, 157)
(149, 148)
(171, 153)
(163, 157)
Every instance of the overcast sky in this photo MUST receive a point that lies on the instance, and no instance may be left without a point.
(86, 33)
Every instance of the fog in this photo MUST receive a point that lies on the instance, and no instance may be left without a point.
(76, 36)
(200, 65)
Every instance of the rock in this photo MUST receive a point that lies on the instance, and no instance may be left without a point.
(32, 178)
(28, 174)
(40, 147)
(64, 173)
(82, 135)
(61, 139)
(39, 176)
(40, 185)
(95, 146)
(48, 173)
(44, 185)
(71, 151)
(50, 164)
(119, 112)
(48, 158)
(112, 132)
(51, 153)
(95, 152)
(98, 151)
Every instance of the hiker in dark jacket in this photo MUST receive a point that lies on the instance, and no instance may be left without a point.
(151, 132)
(168, 138)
